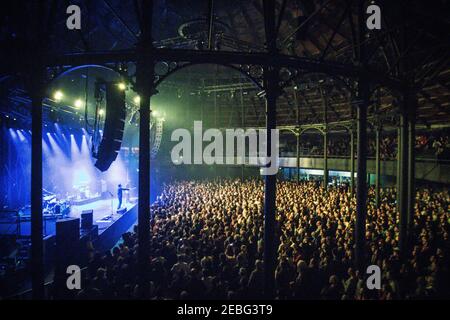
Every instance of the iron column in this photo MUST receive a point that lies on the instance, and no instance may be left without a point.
(361, 189)
(412, 104)
(271, 88)
(297, 164)
(403, 180)
(35, 67)
(352, 160)
(325, 159)
(37, 253)
(144, 84)
(271, 75)
(377, 165)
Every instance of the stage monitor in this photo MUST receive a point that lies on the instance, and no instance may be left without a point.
(87, 218)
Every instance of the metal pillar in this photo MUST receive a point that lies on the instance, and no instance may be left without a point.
(297, 134)
(352, 161)
(271, 75)
(37, 253)
(412, 103)
(325, 138)
(297, 163)
(399, 157)
(403, 165)
(362, 104)
(361, 190)
(243, 126)
(377, 166)
(404, 67)
(211, 24)
(36, 90)
(325, 159)
(271, 87)
(144, 85)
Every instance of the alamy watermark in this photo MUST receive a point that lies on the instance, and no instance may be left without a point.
(230, 149)
(374, 279)
(373, 21)
(73, 281)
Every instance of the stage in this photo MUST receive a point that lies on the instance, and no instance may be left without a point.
(105, 212)
(111, 225)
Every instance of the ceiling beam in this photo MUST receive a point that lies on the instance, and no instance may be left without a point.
(335, 30)
(205, 56)
(434, 103)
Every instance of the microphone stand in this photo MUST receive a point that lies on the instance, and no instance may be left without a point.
(112, 206)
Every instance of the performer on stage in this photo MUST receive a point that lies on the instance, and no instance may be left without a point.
(119, 194)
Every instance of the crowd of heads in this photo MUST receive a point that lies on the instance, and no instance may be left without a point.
(207, 243)
(426, 145)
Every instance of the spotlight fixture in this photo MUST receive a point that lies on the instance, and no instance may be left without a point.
(78, 103)
(137, 99)
(101, 112)
(122, 86)
(58, 95)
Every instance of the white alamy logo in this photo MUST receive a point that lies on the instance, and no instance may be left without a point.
(373, 22)
(374, 279)
(74, 279)
(235, 147)
(73, 22)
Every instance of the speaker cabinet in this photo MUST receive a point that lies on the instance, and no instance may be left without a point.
(67, 244)
(114, 125)
(87, 218)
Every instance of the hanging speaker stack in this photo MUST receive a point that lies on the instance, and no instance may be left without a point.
(114, 126)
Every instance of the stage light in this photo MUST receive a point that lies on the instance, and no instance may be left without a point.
(58, 95)
(20, 135)
(78, 103)
(101, 112)
(137, 100)
(122, 86)
(155, 113)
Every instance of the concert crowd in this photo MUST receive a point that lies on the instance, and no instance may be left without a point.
(427, 145)
(207, 243)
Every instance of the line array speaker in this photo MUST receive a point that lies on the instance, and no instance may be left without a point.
(114, 126)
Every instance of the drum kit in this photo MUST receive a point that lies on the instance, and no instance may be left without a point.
(82, 192)
(54, 207)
